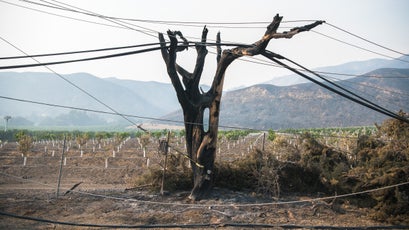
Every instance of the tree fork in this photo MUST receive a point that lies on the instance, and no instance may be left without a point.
(201, 144)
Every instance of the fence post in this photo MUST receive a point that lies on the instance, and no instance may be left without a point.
(264, 140)
(60, 172)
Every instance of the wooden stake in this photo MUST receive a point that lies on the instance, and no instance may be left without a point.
(61, 163)
(264, 140)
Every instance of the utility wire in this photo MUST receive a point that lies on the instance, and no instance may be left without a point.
(236, 25)
(255, 60)
(260, 61)
(364, 39)
(74, 85)
(78, 60)
(391, 114)
(359, 47)
(151, 32)
(80, 51)
(191, 44)
(381, 109)
(149, 118)
(272, 56)
(253, 23)
(263, 62)
(166, 22)
(62, 16)
(190, 23)
(390, 101)
(366, 103)
(104, 56)
(121, 114)
(373, 105)
(201, 23)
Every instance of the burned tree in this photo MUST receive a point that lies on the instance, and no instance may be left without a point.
(201, 143)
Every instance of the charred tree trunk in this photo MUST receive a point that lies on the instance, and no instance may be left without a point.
(201, 144)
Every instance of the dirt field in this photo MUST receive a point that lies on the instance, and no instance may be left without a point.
(105, 197)
(121, 208)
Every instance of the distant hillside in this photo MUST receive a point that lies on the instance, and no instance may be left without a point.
(261, 106)
(49, 88)
(353, 68)
(308, 105)
(160, 95)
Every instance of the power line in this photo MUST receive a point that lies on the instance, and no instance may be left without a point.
(348, 91)
(78, 60)
(223, 24)
(366, 102)
(175, 23)
(192, 23)
(56, 6)
(100, 57)
(256, 60)
(120, 114)
(266, 63)
(80, 51)
(93, 14)
(262, 62)
(143, 117)
(272, 56)
(74, 85)
(340, 82)
(166, 22)
(148, 118)
(90, 13)
(191, 44)
(359, 47)
(62, 16)
(364, 39)
(373, 105)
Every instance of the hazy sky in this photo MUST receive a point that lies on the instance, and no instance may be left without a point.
(382, 21)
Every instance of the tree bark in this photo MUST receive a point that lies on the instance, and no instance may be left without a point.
(201, 144)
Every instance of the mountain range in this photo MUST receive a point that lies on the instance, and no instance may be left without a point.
(261, 106)
(145, 99)
(311, 106)
(308, 105)
(348, 70)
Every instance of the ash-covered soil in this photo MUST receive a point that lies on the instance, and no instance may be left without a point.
(140, 208)
(103, 199)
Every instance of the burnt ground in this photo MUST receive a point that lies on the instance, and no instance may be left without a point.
(106, 197)
(140, 208)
